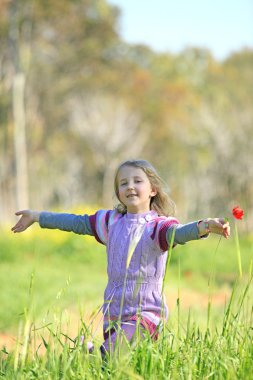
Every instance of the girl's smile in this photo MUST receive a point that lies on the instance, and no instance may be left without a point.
(135, 190)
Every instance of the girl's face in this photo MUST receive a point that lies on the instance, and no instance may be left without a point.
(135, 190)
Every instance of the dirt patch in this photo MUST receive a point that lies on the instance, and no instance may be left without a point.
(7, 341)
(190, 298)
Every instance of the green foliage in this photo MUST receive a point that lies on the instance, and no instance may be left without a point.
(75, 268)
(189, 111)
(199, 256)
(191, 353)
(45, 274)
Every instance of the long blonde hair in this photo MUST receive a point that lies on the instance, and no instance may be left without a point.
(161, 202)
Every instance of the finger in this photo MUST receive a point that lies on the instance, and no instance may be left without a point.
(14, 227)
(16, 230)
(226, 232)
(20, 212)
(226, 227)
(19, 229)
(17, 225)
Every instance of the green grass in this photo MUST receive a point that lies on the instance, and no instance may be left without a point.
(51, 282)
(182, 352)
(67, 270)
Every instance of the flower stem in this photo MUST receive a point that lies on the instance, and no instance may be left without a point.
(238, 251)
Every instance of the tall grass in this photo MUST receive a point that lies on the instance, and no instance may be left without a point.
(224, 353)
(45, 347)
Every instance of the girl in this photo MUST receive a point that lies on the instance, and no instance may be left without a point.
(137, 234)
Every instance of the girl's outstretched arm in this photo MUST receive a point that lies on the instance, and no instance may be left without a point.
(79, 224)
(199, 229)
(28, 217)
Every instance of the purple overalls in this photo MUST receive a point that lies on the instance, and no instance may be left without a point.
(141, 278)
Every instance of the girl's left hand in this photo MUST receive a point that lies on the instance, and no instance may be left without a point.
(219, 226)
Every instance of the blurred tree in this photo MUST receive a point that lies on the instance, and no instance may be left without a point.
(113, 132)
(63, 61)
(88, 100)
(217, 140)
(15, 47)
(19, 54)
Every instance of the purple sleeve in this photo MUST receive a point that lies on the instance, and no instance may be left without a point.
(100, 223)
(160, 228)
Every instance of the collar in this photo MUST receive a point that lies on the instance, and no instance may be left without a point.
(141, 218)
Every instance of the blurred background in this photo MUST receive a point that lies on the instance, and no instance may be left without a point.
(86, 84)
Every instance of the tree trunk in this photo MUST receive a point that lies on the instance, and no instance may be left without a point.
(18, 104)
(20, 141)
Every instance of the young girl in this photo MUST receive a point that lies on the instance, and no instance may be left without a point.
(137, 234)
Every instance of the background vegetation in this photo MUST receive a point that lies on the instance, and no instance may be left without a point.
(51, 288)
(75, 100)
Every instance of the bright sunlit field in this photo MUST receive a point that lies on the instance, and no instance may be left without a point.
(52, 284)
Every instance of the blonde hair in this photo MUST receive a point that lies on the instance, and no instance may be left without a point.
(161, 202)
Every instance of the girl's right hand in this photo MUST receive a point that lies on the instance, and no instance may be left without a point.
(28, 217)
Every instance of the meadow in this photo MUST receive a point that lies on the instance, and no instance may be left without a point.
(52, 285)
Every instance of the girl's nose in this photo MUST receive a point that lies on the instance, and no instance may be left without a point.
(130, 185)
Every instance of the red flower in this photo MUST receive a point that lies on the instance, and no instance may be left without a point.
(237, 212)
